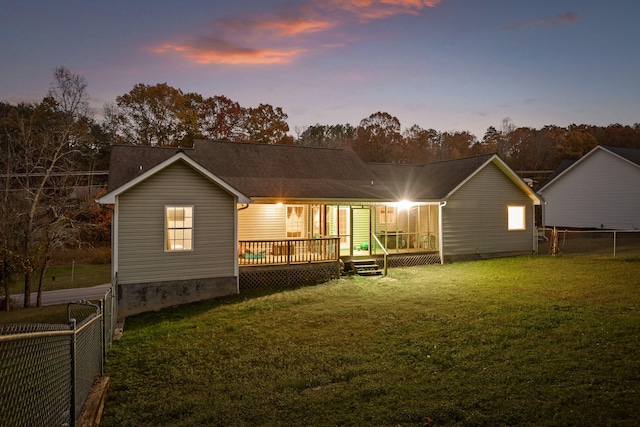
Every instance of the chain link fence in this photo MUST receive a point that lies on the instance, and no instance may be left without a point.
(595, 243)
(47, 371)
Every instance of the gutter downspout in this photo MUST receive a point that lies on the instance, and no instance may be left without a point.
(543, 208)
(440, 240)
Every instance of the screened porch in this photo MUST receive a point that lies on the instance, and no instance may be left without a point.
(315, 232)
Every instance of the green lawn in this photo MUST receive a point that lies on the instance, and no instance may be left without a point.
(49, 314)
(84, 275)
(519, 341)
(78, 275)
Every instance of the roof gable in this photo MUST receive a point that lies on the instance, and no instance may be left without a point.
(440, 180)
(143, 174)
(628, 155)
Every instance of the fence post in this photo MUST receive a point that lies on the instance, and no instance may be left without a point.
(72, 412)
(615, 236)
(103, 336)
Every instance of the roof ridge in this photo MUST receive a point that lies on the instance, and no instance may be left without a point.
(436, 162)
(262, 144)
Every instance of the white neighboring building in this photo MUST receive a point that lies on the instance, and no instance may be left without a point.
(599, 191)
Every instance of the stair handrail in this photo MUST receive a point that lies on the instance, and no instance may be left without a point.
(384, 251)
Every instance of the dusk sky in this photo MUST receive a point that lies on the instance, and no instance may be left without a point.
(450, 65)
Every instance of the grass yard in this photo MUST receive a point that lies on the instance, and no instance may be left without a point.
(68, 276)
(518, 341)
(49, 314)
(72, 268)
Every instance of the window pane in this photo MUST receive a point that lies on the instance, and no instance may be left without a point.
(188, 220)
(170, 239)
(179, 220)
(186, 243)
(516, 217)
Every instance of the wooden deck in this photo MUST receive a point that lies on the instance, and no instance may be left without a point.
(288, 251)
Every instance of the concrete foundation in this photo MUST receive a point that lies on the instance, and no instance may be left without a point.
(142, 297)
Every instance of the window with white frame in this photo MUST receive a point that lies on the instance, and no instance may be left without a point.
(295, 221)
(179, 226)
(516, 217)
(387, 214)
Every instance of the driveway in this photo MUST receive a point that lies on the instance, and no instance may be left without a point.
(64, 296)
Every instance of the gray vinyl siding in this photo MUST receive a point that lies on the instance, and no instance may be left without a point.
(262, 222)
(603, 191)
(141, 228)
(474, 220)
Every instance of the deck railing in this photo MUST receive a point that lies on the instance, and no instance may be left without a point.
(288, 251)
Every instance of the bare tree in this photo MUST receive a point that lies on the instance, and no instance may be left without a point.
(43, 143)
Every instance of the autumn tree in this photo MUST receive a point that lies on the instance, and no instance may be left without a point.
(158, 115)
(162, 116)
(577, 142)
(378, 139)
(326, 136)
(420, 145)
(220, 118)
(456, 145)
(537, 151)
(267, 125)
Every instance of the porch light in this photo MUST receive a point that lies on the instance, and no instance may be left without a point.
(404, 205)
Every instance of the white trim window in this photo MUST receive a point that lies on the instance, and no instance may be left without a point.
(179, 228)
(295, 221)
(516, 218)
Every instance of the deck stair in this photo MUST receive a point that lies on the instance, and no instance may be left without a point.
(365, 267)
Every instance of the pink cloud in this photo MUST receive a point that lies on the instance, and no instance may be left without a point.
(276, 38)
(547, 21)
(292, 28)
(379, 9)
(214, 51)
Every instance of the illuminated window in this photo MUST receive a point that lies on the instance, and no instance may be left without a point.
(516, 217)
(295, 221)
(179, 223)
(387, 215)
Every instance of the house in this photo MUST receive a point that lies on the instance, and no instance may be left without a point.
(601, 190)
(223, 217)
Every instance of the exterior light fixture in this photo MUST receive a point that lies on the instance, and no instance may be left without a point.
(404, 205)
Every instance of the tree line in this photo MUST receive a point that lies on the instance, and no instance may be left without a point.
(378, 138)
(51, 150)
(161, 115)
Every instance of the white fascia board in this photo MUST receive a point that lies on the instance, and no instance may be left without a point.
(110, 198)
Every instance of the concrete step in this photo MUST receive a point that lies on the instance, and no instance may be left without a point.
(365, 267)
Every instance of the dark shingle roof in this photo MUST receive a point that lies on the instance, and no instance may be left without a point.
(261, 170)
(433, 181)
(566, 164)
(293, 172)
